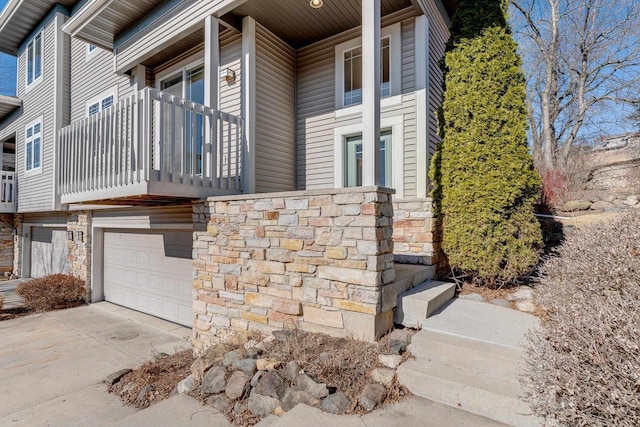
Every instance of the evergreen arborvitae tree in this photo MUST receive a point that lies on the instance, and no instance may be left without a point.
(485, 184)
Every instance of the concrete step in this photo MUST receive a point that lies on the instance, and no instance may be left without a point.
(481, 395)
(407, 276)
(466, 344)
(415, 305)
(479, 321)
(468, 359)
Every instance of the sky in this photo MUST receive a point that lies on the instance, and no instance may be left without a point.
(7, 69)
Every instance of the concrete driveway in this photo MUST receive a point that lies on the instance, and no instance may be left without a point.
(52, 364)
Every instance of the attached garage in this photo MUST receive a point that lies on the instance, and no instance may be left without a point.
(150, 271)
(49, 252)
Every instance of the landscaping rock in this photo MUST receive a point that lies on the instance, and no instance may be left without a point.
(282, 335)
(256, 378)
(253, 353)
(267, 364)
(213, 381)
(601, 204)
(314, 389)
(500, 302)
(397, 347)
(210, 357)
(383, 376)
(186, 385)
(142, 395)
(248, 366)
(371, 396)
(524, 293)
(115, 377)
(270, 384)
(233, 356)
(336, 403)
(527, 306)
(279, 411)
(291, 371)
(219, 402)
(631, 201)
(294, 395)
(576, 205)
(260, 405)
(239, 408)
(473, 297)
(390, 360)
(160, 356)
(237, 385)
(250, 344)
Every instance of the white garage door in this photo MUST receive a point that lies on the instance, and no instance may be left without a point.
(49, 252)
(150, 272)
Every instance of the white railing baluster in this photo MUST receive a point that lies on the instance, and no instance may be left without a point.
(229, 150)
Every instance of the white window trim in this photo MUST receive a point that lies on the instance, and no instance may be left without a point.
(396, 124)
(28, 86)
(90, 54)
(191, 62)
(394, 32)
(98, 99)
(38, 170)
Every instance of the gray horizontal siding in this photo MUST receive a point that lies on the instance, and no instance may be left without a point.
(315, 105)
(92, 76)
(275, 114)
(438, 36)
(231, 57)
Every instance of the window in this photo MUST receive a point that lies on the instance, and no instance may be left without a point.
(349, 159)
(92, 50)
(91, 47)
(98, 104)
(34, 60)
(33, 145)
(353, 160)
(349, 68)
(353, 74)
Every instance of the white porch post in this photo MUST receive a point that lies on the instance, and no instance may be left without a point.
(249, 104)
(211, 89)
(422, 105)
(370, 92)
(211, 62)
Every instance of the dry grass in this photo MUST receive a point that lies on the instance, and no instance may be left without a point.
(54, 292)
(488, 294)
(162, 374)
(584, 364)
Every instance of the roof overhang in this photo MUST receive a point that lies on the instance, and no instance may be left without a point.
(19, 18)
(8, 104)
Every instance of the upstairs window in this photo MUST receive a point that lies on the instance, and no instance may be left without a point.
(349, 67)
(99, 104)
(92, 50)
(34, 60)
(33, 145)
(353, 74)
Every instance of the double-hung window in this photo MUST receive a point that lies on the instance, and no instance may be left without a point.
(33, 146)
(349, 68)
(34, 59)
(99, 104)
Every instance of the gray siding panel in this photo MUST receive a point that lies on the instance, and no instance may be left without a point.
(35, 192)
(231, 57)
(438, 36)
(316, 119)
(275, 114)
(92, 76)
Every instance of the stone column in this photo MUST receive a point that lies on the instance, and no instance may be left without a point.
(80, 247)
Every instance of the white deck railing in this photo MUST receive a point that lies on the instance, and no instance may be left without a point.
(7, 191)
(152, 137)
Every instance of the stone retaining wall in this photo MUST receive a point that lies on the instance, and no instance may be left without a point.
(416, 240)
(315, 260)
(18, 220)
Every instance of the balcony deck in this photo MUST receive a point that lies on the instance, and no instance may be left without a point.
(151, 147)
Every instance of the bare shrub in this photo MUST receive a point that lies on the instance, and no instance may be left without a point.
(54, 292)
(584, 363)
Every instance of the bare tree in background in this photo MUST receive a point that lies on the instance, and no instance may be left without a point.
(582, 58)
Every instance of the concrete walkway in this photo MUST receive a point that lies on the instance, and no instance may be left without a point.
(8, 291)
(52, 364)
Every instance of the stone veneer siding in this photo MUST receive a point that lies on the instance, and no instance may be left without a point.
(80, 251)
(315, 260)
(415, 237)
(6, 243)
(18, 220)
